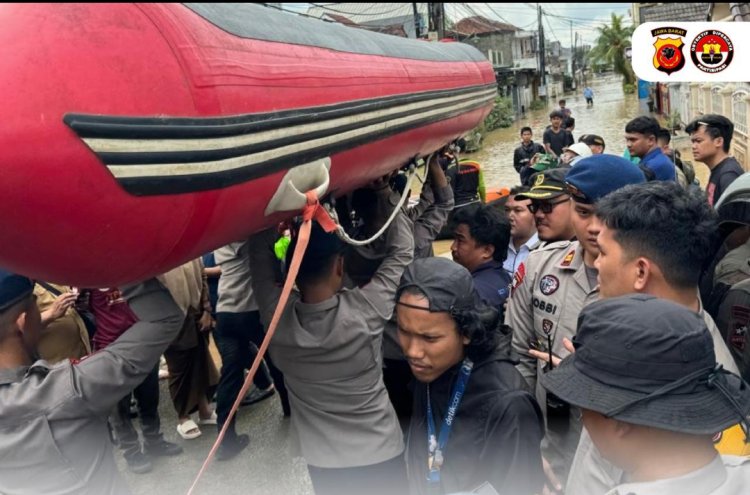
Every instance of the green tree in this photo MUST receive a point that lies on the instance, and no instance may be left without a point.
(610, 48)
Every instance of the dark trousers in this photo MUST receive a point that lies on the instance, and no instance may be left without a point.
(237, 337)
(387, 477)
(147, 395)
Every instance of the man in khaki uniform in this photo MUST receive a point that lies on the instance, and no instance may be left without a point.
(554, 284)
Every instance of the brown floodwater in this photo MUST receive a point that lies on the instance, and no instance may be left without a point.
(607, 118)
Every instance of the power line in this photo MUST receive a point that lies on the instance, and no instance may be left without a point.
(361, 13)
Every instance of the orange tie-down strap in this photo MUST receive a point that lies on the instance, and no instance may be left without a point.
(313, 211)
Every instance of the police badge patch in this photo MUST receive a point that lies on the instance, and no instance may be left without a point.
(549, 284)
(547, 326)
(668, 56)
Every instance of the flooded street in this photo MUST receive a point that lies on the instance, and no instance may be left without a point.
(607, 118)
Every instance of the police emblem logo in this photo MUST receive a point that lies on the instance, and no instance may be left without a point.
(547, 326)
(712, 51)
(549, 284)
(668, 56)
(539, 180)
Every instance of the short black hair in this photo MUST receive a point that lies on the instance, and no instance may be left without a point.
(482, 324)
(648, 126)
(527, 128)
(322, 251)
(487, 226)
(556, 114)
(716, 126)
(673, 226)
(569, 122)
(664, 135)
(561, 101)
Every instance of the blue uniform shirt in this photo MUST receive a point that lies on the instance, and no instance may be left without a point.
(492, 284)
(660, 164)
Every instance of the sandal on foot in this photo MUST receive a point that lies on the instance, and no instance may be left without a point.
(189, 430)
(211, 420)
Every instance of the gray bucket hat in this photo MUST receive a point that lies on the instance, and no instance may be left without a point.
(649, 362)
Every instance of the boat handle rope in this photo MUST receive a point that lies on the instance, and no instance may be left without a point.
(404, 195)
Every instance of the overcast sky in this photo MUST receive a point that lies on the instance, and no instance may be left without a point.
(584, 17)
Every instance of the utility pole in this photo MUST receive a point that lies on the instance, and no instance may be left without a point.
(542, 70)
(417, 23)
(572, 58)
(436, 13)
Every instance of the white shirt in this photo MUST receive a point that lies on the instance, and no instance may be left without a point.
(725, 475)
(514, 259)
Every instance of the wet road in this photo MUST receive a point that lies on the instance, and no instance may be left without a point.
(264, 468)
(607, 118)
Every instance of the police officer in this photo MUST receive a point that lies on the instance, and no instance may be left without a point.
(555, 283)
(655, 420)
(53, 419)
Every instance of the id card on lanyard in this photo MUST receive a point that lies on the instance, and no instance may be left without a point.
(436, 442)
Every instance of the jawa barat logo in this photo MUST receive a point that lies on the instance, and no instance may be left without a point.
(712, 51)
(668, 56)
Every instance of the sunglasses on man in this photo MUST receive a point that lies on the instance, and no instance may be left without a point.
(545, 207)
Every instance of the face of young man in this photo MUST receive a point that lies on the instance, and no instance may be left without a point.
(555, 225)
(586, 228)
(466, 251)
(556, 122)
(522, 224)
(639, 144)
(704, 147)
(430, 341)
(526, 137)
(617, 274)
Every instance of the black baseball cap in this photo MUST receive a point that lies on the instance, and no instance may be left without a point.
(650, 362)
(13, 288)
(447, 285)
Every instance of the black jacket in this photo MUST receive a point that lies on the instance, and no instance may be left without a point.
(496, 432)
(523, 155)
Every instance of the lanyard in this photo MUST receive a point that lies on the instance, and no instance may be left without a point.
(436, 444)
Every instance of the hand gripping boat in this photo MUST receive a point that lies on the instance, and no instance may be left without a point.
(139, 136)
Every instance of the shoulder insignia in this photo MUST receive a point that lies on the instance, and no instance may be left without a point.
(518, 277)
(568, 258)
(549, 246)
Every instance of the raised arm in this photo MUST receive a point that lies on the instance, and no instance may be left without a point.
(263, 267)
(103, 378)
(399, 251)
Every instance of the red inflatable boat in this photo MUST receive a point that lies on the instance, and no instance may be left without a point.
(139, 136)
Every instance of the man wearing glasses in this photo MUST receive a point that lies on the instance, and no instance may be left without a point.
(559, 279)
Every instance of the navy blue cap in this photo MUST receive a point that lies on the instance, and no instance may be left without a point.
(649, 362)
(13, 288)
(593, 177)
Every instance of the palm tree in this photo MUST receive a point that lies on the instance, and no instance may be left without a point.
(610, 48)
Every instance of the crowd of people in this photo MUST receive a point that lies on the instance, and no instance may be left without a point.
(588, 336)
